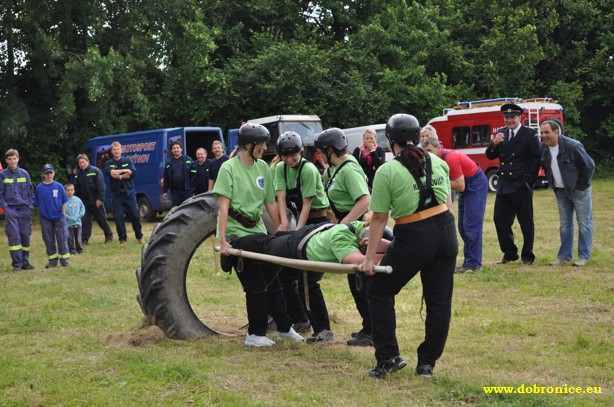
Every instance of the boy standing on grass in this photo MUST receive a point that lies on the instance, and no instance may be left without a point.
(74, 212)
(51, 199)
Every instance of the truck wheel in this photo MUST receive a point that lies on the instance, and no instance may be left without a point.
(493, 180)
(165, 259)
(145, 211)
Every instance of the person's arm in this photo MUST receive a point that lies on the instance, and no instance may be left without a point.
(64, 209)
(359, 209)
(284, 224)
(271, 208)
(376, 231)
(586, 168)
(378, 157)
(222, 220)
(492, 151)
(304, 215)
(458, 184)
(211, 184)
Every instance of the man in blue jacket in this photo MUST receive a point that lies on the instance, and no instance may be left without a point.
(569, 170)
(17, 200)
(177, 175)
(517, 149)
(121, 171)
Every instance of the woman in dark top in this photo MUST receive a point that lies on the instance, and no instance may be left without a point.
(369, 155)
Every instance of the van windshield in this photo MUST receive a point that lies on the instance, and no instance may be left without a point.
(307, 130)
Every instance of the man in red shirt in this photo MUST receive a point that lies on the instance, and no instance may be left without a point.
(468, 180)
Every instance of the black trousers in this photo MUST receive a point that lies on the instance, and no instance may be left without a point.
(100, 216)
(263, 295)
(430, 247)
(507, 207)
(286, 245)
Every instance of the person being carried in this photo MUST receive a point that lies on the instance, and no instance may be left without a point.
(51, 199)
(74, 212)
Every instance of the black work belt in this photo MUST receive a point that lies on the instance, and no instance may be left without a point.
(301, 250)
(242, 219)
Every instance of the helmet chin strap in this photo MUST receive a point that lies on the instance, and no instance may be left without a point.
(329, 156)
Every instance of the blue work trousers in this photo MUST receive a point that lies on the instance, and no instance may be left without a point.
(55, 231)
(125, 204)
(18, 228)
(471, 208)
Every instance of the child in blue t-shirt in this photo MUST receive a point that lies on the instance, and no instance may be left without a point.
(74, 212)
(51, 198)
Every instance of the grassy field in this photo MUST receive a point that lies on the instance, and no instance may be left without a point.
(76, 336)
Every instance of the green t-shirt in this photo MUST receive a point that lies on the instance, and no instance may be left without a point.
(247, 188)
(395, 188)
(349, 184)
(311, 182)
(332, 245)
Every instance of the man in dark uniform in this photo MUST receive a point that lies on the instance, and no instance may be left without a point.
(90, 187)
(200, 172)
(177, 175)
(517, 149)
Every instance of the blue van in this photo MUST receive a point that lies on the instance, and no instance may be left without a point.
(149, 151)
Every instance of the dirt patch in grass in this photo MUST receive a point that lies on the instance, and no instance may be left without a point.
(143, 336)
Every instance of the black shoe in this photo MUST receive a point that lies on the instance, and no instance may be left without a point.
(17, 268)
(50, 266)
(527, 262)
(85, 242)
(466, 269)
(361, 339)
(505, 260)
(386, 367)
(425, 370)
(107, 239)
(27, 266)
(302, 327)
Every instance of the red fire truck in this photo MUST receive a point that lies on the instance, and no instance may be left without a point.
(469, 127)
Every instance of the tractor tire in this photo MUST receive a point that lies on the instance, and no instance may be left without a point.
(164, 263)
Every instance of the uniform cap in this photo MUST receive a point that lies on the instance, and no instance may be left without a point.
(48, 168)
(511, 110)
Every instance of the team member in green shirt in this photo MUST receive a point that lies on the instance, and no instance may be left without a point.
(242, 187)
(414, 187)
(345, 184)
(299, 187)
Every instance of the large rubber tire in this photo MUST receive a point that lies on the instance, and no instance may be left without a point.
(164, 263)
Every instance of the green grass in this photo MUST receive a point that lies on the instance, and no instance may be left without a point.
(76, 336)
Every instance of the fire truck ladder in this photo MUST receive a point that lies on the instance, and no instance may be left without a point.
(533, 118)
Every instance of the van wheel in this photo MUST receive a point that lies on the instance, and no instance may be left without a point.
(145, 211)
(164, 264)
(493, 180)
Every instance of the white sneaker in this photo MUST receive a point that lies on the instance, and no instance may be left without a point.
(558, 262)
(580, 263)
(258, 341)
(291, 334)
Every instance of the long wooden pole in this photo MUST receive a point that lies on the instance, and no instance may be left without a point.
(321, 266)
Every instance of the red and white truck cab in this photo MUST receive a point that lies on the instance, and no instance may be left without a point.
(469, 127)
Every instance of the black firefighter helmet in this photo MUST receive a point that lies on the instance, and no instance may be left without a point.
(289, 142)
(333, 137)
(403, 127)
(252, 133)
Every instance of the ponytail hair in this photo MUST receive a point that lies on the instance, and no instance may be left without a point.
(412, 157)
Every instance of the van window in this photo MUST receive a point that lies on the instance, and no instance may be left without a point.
(460, 137)
(480, 135)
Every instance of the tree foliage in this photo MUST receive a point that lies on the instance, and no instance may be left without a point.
(71, 70)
